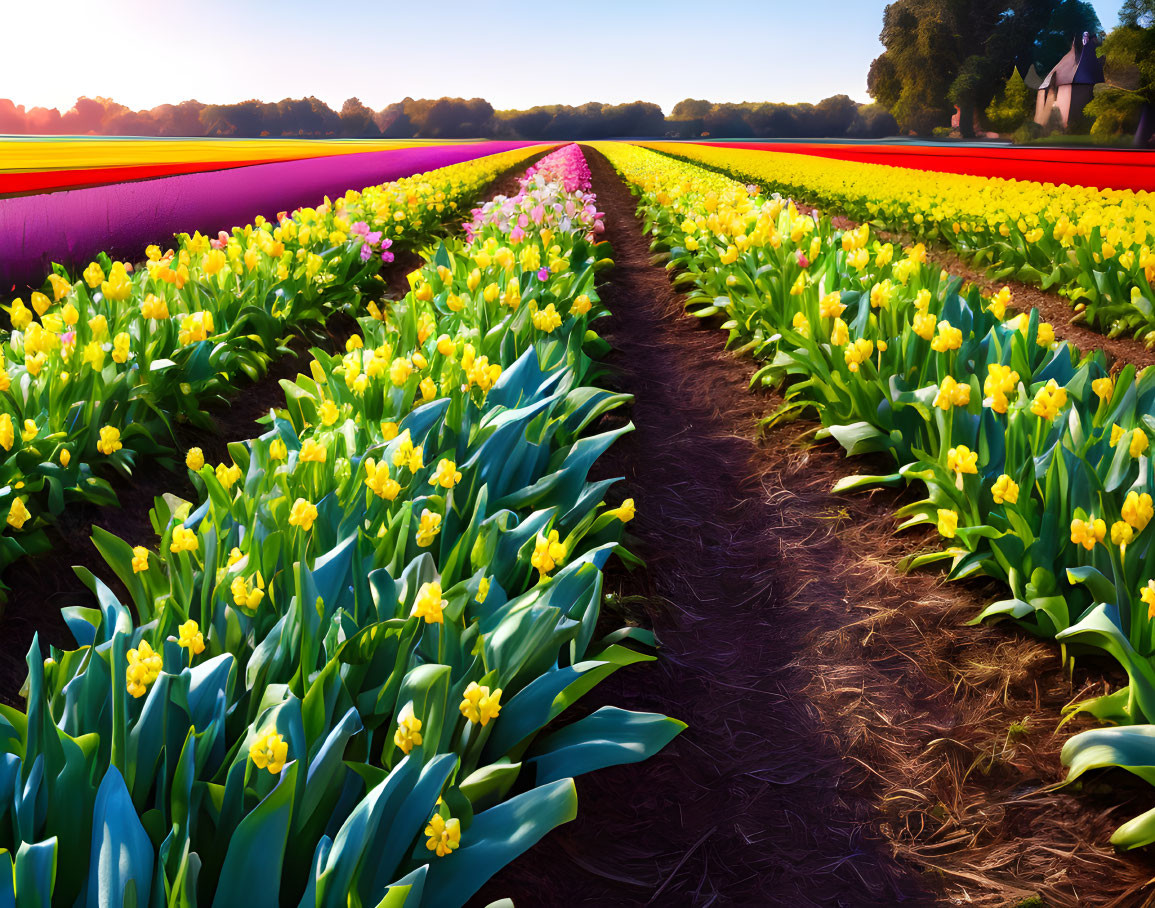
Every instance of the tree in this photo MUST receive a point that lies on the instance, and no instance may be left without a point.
(1010, 108)
(357, 120)
(1068, 20)
(963, 50)
(920, 62)
(968, 90)
(1129, 67)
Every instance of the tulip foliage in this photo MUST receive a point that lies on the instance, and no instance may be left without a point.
(332, 683)
(96, 371)
(1036, 463)
(1097, 247)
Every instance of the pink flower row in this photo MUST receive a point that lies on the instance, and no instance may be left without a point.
(554, 193)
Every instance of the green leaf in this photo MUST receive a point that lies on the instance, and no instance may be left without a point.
(251, 875)
(497, 836)
(607, 738)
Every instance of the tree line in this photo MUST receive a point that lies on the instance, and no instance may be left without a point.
(446, 118)
(973, 55)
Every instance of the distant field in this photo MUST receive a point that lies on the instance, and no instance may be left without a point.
(46, 163)
(1103, 168)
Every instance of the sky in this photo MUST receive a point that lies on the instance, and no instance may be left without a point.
(514, 53)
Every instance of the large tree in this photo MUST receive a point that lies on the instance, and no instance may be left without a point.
(1129, 66)
(943, 52)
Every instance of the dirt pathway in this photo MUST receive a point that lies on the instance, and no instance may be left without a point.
(850, 741)
(748, 805)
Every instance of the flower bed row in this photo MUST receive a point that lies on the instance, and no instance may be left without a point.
(1096, 247)
(1036, 463)
(96, 371)
(44, 164)
(346, 650)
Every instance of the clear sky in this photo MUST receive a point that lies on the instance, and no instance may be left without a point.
(515, 53)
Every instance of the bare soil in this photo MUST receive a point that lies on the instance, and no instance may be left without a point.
(850, 742)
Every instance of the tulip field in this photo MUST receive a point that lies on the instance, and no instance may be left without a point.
(350, 666)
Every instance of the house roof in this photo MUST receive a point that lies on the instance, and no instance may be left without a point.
(1079, 66)
(1032, 78)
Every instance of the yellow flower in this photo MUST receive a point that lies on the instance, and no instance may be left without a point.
(408, 734)
(93, 355)
(999, 302)
(1121, 533)
(952, 393)
(1005, 489)
(962, 460)
(831, 305)
(1139, 443)
(547, 319)
(1045, 336)
(328, 412)
(581, 305)
(857, 353)
(109, 442)
(547, 553)
(269, 752)
(18, 514)
(243, 595)
(93, 275)
(429, 605)
(880, 295)
(428, 528)
(1117, 433)
(1087, 532)
(947, 522)
(139, 559)
(191, 638)
(118, 287)
(278, 450)
(399, 371)
(482, 590)
(7, 431)
(60, 286)
(1138, 510)
(624, 512)
(446, 346)
(479, 705)
(444, 836)
(428, 389)
(21, 315)
(40, 302)
(302, 514)
(1049, 400)
(446, 475)
(184, 540)
(154, 307)
(144, 667)
(227, 476)
(65, 457)
(194, 459)
(1147, 594)
(30, 431)
(924, 325)
(1103, 387)
(312, 452)
(948, 338)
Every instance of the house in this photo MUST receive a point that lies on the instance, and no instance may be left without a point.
(1069, 86)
